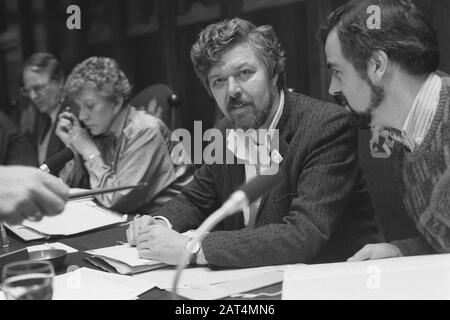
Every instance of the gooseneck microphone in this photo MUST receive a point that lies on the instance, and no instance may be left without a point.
(238, 200)
(57, 161)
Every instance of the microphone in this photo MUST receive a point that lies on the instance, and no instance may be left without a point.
(238, 200)
(248, 193)
(57, 161)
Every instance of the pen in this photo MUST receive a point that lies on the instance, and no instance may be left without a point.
(89, 193)
(5, 241)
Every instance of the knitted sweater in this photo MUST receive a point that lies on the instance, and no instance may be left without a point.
(424, 180)
(321, 213)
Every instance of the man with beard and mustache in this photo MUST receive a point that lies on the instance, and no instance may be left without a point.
(389, 79)
(321, 212)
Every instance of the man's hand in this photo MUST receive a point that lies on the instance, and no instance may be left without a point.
(160, 243)
(26, 192)
(138, 224)
(376, 251)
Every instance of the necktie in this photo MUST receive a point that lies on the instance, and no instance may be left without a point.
(46, 123)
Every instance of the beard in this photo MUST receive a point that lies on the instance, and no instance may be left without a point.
(363, 119)
(251, 118)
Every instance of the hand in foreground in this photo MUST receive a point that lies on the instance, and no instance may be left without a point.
(157, 242)
(26, 192)
(376, 251)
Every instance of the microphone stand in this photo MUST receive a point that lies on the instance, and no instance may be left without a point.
(235, 203)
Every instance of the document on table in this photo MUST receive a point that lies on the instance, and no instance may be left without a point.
(418, 277)
(78, 216)
(228, 288)
(124, 259)
(200, 276)
(89, 284)
(53, 245)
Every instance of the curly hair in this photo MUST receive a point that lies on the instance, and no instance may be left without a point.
(105, 73)
(406, 36)
(218, 38)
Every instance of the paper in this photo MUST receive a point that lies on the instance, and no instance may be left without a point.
(228, 288)
(419, 277)
(125, 253)
(54, 245)
(201, 276)
(77, 217)
(123, 258)
(88, 284)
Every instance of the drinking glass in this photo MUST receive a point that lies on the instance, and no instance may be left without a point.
(28, 280)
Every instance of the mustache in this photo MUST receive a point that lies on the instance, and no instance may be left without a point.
(236, 101)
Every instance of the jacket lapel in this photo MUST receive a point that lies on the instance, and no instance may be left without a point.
(284, 130)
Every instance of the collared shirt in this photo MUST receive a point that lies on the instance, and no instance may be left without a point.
(136, 149)
(258, 154)
(421, 115)
(43, 146)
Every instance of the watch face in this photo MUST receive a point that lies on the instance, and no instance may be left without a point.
(192, 246)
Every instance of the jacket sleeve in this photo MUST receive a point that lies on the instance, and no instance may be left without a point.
(325, 184)
(195, 202)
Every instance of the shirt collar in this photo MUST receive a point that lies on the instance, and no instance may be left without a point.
(119, 122)
(236, 139)
(421, 114)
(54, 113)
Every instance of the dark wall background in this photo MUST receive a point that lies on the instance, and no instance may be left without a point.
(151, 40)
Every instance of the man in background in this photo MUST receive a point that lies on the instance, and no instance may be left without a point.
(43, 83)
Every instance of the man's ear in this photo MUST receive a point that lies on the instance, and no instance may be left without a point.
(377, 66)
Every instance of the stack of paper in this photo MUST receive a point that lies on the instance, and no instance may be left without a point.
(77, 217)
(88, 284)
(206, 284)
(123, 259)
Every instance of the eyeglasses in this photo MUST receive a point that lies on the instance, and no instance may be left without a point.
(38, 89)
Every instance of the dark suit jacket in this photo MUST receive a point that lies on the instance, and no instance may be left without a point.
(55, 144)
(321, 213)
(15, 149)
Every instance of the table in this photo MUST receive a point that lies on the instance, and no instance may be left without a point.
(104, 238)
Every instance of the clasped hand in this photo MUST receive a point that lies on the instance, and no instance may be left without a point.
(155, 241)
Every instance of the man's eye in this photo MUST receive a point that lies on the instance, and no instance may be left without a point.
(245, 74)
(218, 82)
(337, 74)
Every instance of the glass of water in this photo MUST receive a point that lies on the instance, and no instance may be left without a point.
(28, 280)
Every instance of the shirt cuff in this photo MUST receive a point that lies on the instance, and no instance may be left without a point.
(201, 259)
(169, 225)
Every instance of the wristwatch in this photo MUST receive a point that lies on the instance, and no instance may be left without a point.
(193, 248)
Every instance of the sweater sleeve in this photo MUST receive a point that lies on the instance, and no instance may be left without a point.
(324, 187)
(434, 223)
(413, 246)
